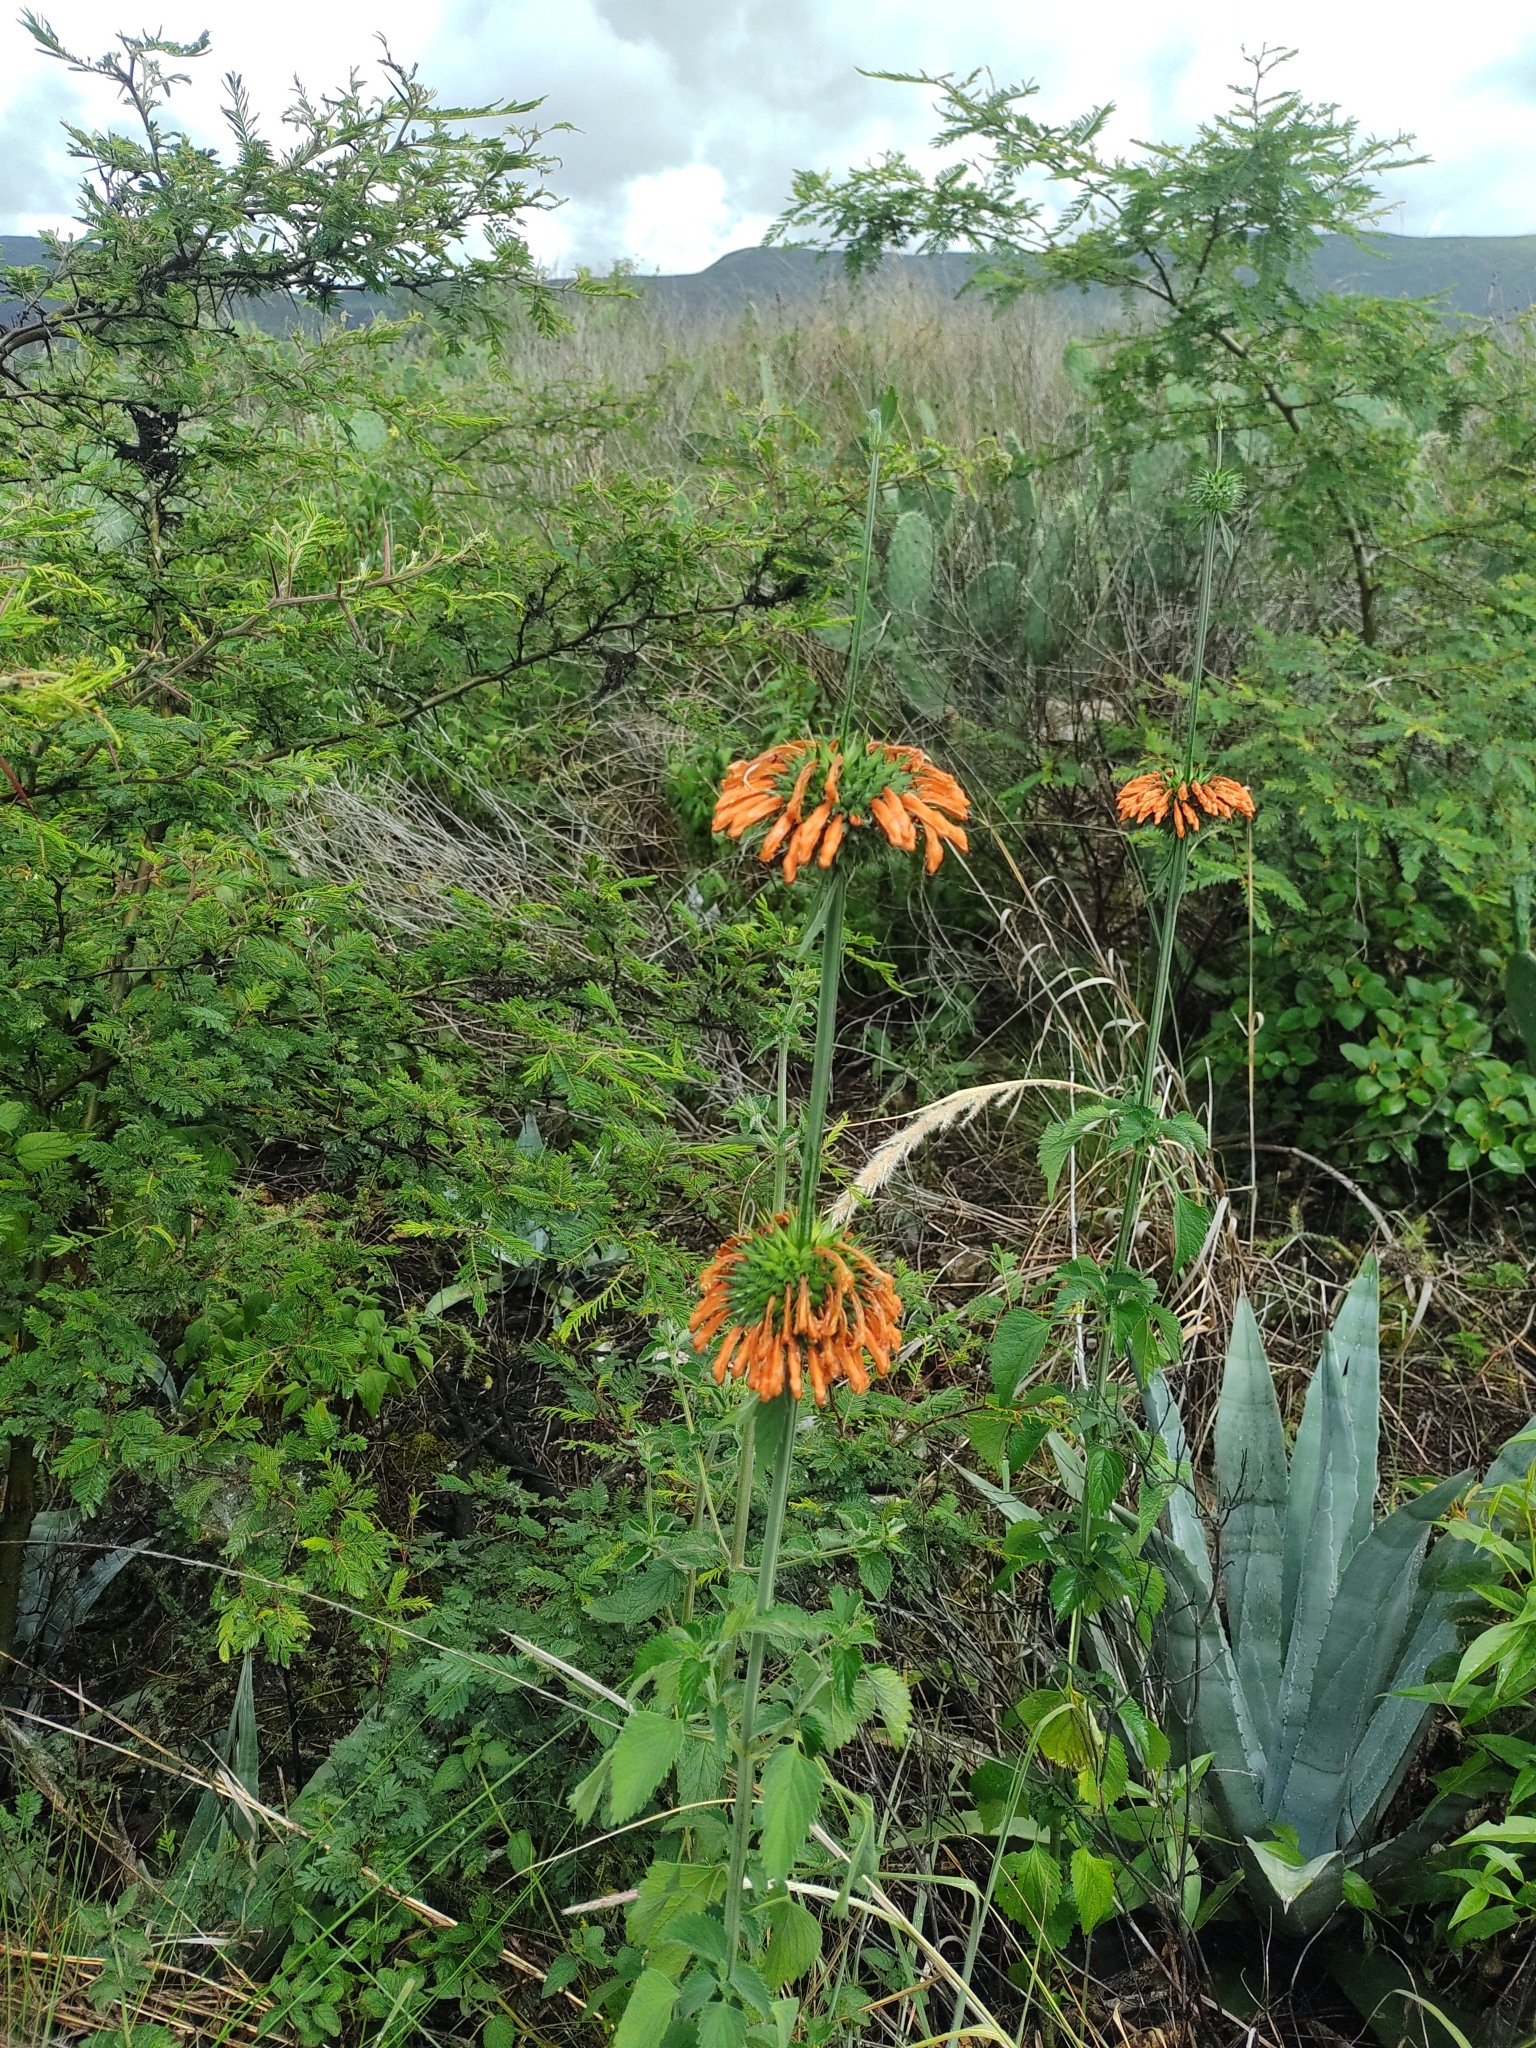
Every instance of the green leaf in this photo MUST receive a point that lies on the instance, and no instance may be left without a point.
(587, 1797)
(791, 1793)
(1372, 1613)
(1057, 1140)
(876, 1570)
(1519, 1827)
(1191, 1222)
(648, 2012)
(498, 2032)
(37, 1149)
(748, 1982)
(666, 1890)
(646, 1750)
(1103, 1477)
(1029, 1884)
(702, 1934)
(1357, 1892)
(987, 1431)
(894, 1698)
(794, 1943)
(1021, 1337)
(1093, 1887)
(562, 1971)
(722, 2026)
(641, 1596)
(1288, 1880)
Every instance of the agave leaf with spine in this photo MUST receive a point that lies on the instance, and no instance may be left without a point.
(1295, 1695)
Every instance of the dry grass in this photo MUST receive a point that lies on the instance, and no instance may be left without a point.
(964, 372)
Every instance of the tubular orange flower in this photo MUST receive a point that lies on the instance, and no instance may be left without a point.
(792, 1306)
(1164, 796)
(816, 791)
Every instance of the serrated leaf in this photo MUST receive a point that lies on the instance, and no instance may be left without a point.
(1021, 1337)
(722, 2026)
(894, 1699)
(749, 1983)
(562, 1971)
(1357, 1892)
(646, 1750)
(451, 1773)
(641, 1596)
(876, 1570)
(794, 1944)
(1058, 1139)
(791, 1793)
(666, 1890)
(986, 1431)
(1191, 1222)
(702, 1935)
(1029, 1884)
(648, 2012)
(1093, 1888)
(587, 1797)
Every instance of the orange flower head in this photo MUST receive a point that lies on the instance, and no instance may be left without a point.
(1163, 796)
(790, 1306)
(812, 793)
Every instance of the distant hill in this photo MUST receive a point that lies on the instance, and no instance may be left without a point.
(1484, 275)
(272, 316)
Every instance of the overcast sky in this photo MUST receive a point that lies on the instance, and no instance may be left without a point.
(691, 114)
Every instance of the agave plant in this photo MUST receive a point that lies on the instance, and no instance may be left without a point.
(1298, 1698)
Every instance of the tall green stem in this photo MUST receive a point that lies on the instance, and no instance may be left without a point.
(861, 603)
(1173, 896)
(774, 1423)
(775, 1420)
(826, 1039)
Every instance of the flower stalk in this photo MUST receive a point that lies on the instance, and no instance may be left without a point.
(1173, 886)
(774, 1422)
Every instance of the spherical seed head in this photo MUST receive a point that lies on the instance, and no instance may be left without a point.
(813, 796)
(1216, 492)
(790, 1305)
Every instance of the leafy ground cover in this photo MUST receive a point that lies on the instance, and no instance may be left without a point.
(409, 1637)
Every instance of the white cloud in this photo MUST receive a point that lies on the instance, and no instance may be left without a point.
(693, 113)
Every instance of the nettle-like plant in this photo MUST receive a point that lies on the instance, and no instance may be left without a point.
(1303, 1697)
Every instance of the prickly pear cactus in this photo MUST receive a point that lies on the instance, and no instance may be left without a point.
(1520, 974)
(910, 563)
